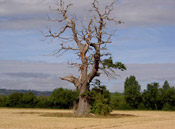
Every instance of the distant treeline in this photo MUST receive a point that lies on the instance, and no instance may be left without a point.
(37, 93)
(152, 98)
(60, 98)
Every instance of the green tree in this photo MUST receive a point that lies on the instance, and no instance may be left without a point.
(132, 92)
(164, 94)
(62, 98)
(3, 100)
(29, 100)
(151, 96)
(166, 86)
(43, 102)
(14, 100)
(170, 99)
(118, 102)
(116, 99)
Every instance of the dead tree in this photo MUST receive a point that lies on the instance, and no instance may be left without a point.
(88, 42)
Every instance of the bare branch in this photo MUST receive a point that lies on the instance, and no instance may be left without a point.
(71, 79)
(75, 35)
(55, 20)
(58, 34)
(109, 9)
(75, 65)
(68, 47)
(89, 40)
(108, 74)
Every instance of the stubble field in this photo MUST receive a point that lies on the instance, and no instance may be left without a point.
(62, 119)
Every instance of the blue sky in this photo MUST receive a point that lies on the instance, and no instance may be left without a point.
(132, 45)
(146, 37)
(146, 45)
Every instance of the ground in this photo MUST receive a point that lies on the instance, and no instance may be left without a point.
(62, 119)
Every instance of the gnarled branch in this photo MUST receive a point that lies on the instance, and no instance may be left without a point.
(71, 79)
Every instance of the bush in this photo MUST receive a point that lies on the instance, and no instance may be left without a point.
(124, 106)
(62, 98)
(3, 100)
(168, 107)
(29, 100)
(43, 102)
(141, 106)
(14, 100)
(116, 100)
(100, 101)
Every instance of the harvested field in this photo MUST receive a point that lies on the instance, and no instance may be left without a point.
(63, 119)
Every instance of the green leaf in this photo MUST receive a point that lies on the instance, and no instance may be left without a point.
(108, 63)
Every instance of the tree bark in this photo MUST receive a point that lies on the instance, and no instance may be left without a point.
(83, 104)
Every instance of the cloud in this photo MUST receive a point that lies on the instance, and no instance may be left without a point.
(146, 12)
(39, 84)
(28, 75)
(35, 67)
(24, 14)
(32, 14)
(23, 7)
(45, 76)
(33, 75)
(20, 24)
(150, 72)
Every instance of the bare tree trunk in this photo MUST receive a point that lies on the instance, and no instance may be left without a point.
(83, 105)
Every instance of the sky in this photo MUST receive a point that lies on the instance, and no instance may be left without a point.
(146, 41)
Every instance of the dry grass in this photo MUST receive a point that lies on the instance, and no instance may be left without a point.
(63, 119)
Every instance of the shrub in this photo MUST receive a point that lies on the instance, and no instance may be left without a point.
(42, 102)
(14, 100)
(168, 107)
(62, 98)
(100, 101)
(29, 100)
(3, 100)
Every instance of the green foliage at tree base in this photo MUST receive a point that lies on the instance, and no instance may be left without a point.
(100, 100)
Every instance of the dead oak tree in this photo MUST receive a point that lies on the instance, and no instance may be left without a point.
(88, 42)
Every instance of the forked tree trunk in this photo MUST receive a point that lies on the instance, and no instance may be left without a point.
(83, 104)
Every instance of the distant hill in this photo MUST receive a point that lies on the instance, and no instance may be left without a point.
(37, 93)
